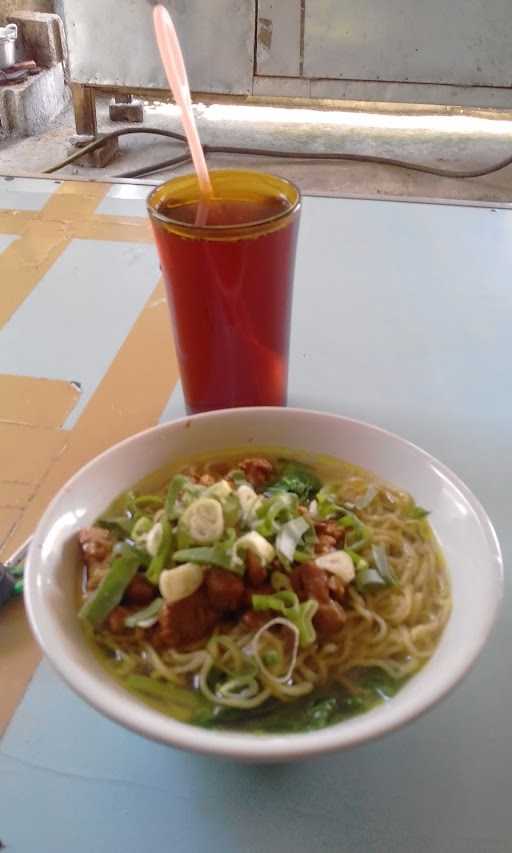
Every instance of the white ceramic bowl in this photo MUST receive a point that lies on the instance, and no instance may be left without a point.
(462, 526)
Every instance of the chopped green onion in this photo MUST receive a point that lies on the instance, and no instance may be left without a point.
(287, 603)
(129, 502)
(141, 528)
(358, 536)
(349, 520)
(275, 512)
(271, 658)
(161, 559)
(231, 509)
(302, 556)
(155, 501)
(366, 499)
(220, 554)
(304, 621)
(112, 587)
(289, 537)
(418, 512)
(280, 581)
(368, 578)
(360, 564)
(119, 523)
(175, 487)
(148, 615)
(280, 601)
(382, 565)
(237, 476)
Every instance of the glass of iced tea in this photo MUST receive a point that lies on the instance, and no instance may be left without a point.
(228, 266)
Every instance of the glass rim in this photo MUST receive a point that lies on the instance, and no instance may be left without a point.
(231, 228)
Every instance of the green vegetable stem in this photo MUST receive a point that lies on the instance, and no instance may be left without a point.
(111, 589)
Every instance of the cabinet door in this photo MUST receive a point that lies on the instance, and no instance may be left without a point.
(460, 43)
(112, 43)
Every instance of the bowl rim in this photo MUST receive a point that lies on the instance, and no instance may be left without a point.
(122, 707)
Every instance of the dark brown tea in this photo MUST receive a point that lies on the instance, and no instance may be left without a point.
(229, 283)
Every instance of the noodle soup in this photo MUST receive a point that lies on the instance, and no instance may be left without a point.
(263, 593)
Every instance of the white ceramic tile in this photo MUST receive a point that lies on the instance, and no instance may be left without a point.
(175, 407)
(125, 200)
(25, 193)
(73, 323)
(6, 240)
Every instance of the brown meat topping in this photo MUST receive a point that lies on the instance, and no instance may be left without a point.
(140, 591)
(95, 574)
(187, 621)
(115, 620)
(325, 544)
(224, 589)
(95, 544)
(256, 573)
(255, 619)
(330, 528)
(309, 581)
(257, 470)
(329, 619)
(206, 480)
(336, 588)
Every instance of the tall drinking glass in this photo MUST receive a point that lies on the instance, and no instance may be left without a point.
(228, 267)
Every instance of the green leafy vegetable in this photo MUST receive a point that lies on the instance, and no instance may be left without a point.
(379, 683)
(298, 479)
(323, 707)
(111, 589)
(321, 712)
(165, 691)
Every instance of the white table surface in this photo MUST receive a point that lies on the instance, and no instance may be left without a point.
(402, 317)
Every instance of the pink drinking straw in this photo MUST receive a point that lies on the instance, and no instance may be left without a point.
(174, 66)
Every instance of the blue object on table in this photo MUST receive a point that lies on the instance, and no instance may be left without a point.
(7, 585)
(11, 575)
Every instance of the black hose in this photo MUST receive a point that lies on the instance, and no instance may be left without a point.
(141, 171)
(113, 134)
(266, 152)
